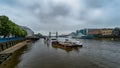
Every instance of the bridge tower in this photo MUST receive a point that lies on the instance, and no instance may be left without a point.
(53, 33)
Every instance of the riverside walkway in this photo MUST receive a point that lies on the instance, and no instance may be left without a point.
(9, 45)
(14, 48)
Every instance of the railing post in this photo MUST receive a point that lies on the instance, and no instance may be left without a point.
(10, 43)
(6, 44)
(2, 46)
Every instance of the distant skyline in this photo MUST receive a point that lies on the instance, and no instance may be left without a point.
(64, 16)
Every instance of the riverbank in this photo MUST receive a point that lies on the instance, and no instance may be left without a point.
(7, 53)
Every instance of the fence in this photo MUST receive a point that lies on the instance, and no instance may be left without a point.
(8, 42)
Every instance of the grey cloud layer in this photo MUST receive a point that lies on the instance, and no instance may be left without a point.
(63, 15)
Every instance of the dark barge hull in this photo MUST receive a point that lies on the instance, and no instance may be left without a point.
(65, 45)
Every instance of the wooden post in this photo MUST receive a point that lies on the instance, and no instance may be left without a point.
(12, 43)
(9, 44)
(1, 45)
(6, 44)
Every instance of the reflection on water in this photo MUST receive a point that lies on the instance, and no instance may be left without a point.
(93, 54)
(14, 59)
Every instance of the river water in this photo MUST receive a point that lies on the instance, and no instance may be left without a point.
(93, 54)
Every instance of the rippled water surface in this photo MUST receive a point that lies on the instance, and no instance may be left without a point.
(93, 54)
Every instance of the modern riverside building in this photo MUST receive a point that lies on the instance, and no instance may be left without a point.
(83, 33)
(106, 32)
(72, 35)
(116, 32)
(29, 31)
(92, 33)
(96, 33)
(101, 32)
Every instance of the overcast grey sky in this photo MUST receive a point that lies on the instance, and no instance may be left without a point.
(62, 15)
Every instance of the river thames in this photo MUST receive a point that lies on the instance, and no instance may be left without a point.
(93, 54)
